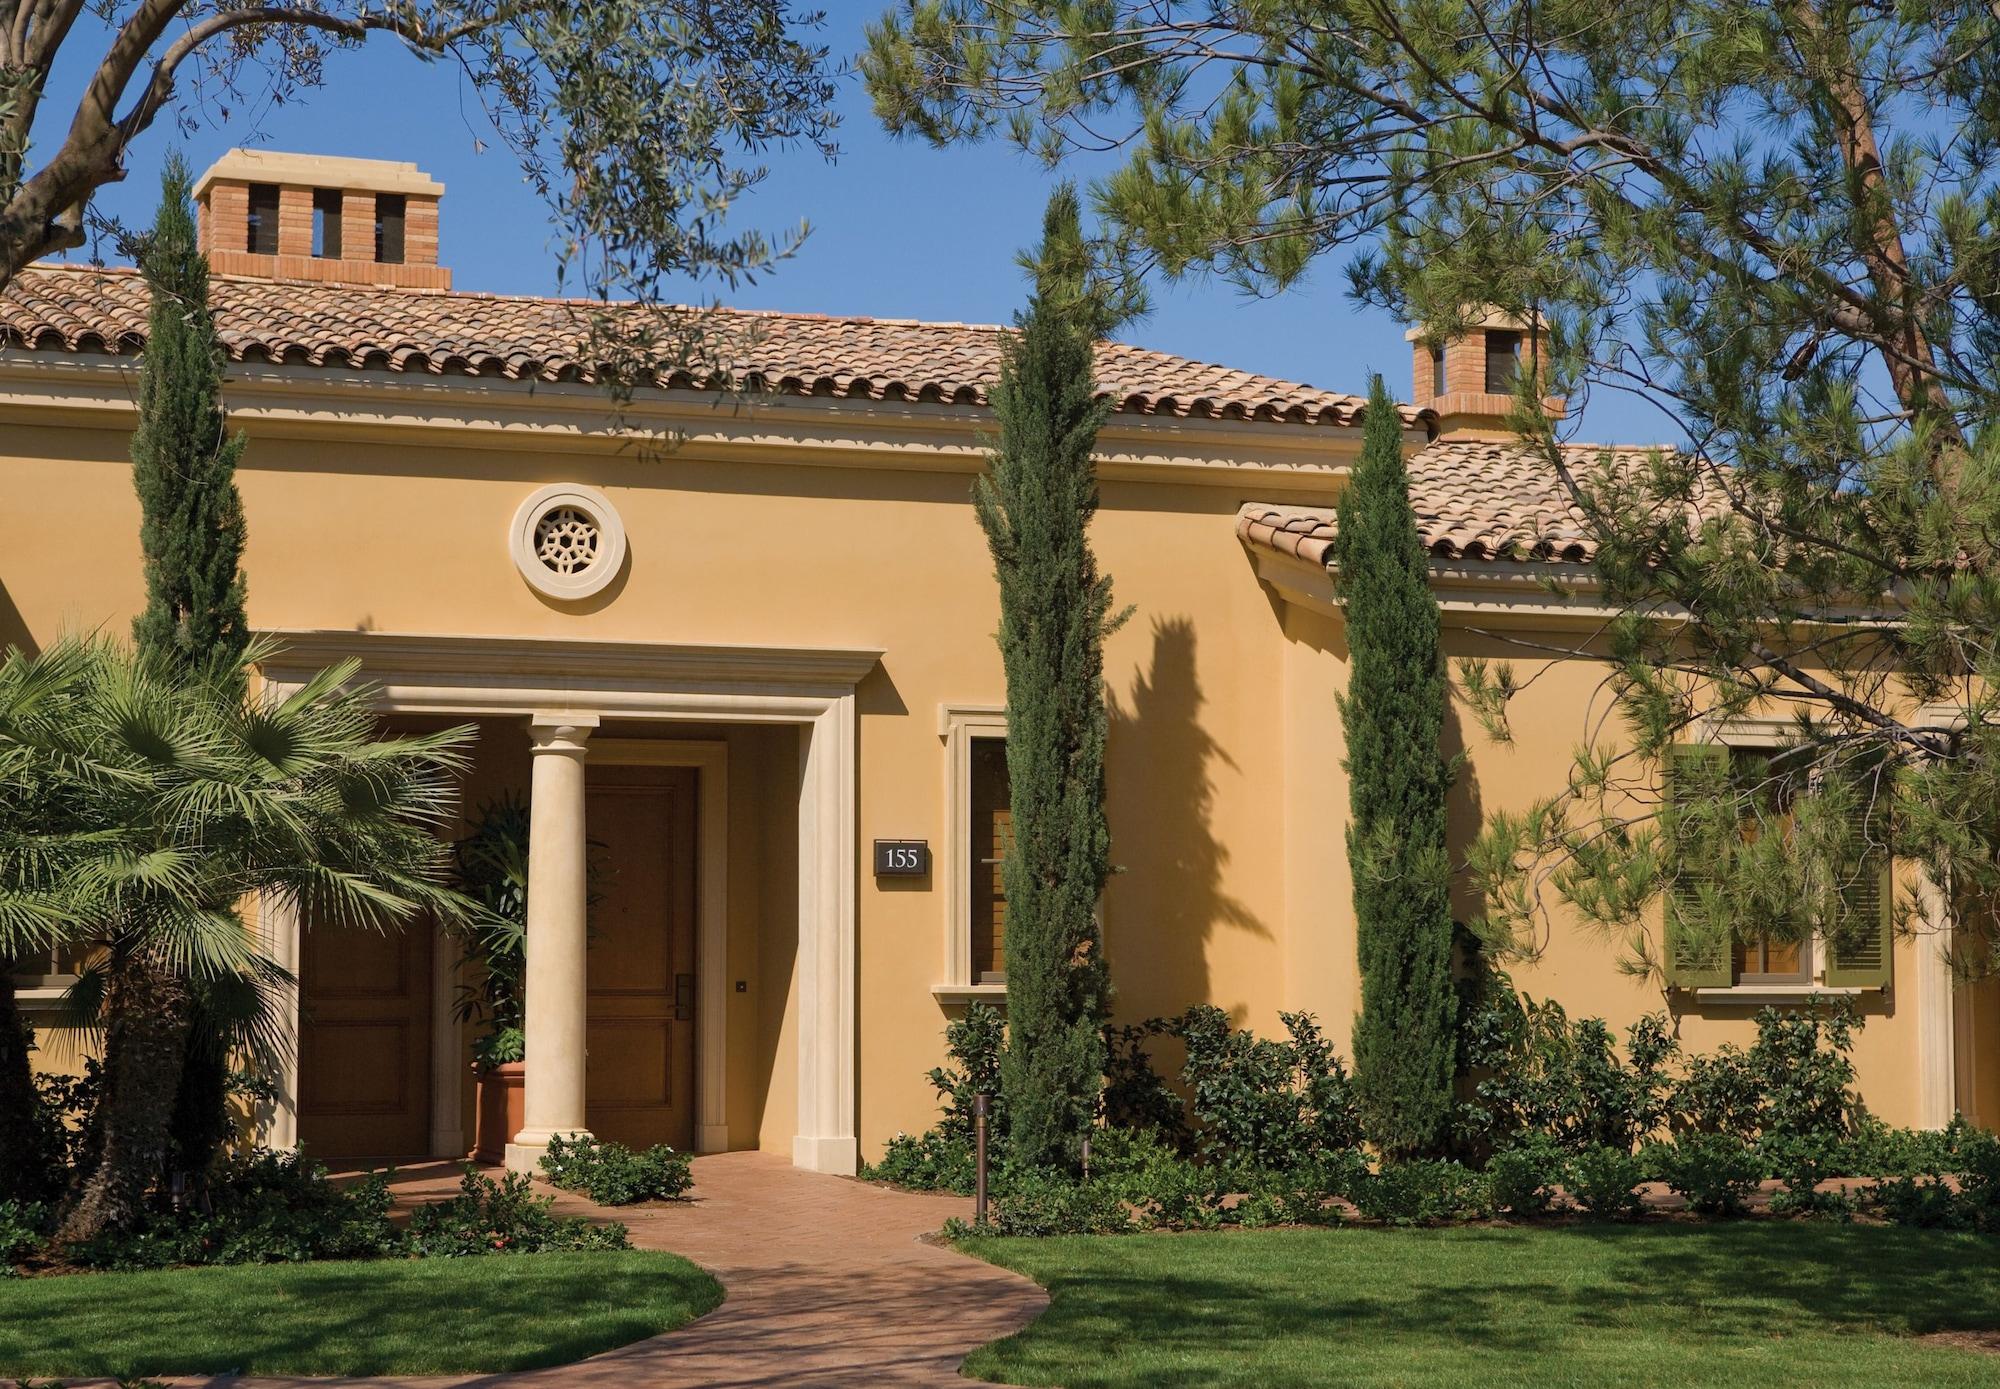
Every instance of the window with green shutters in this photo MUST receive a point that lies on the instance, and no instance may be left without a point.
(1707, 948)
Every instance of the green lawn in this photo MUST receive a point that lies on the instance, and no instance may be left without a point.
(402, 1316)
(1737, 1305)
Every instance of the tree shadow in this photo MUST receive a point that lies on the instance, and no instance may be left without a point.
(1160, 794)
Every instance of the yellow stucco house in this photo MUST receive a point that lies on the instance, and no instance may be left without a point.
(757, 671)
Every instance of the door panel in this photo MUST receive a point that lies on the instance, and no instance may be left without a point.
(364, 1043)
(639, 1079)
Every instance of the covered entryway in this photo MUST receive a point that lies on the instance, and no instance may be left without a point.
(365, 1043)
(631, 1037)
(640, 1026)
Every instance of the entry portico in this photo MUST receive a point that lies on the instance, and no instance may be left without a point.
(562, 691)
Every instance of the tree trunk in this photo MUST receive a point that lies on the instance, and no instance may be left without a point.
(145, 1045)
(27, 1166)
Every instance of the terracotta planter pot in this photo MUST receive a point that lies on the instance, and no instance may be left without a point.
(502, 1110)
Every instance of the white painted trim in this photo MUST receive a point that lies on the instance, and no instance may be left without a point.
(958, 725)
(710, 761)
(995, 994)
(812, 688)
(1758, 995)
(293, 401)
(278, 923)
(1937, 1025)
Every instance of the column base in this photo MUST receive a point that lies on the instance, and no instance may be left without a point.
(838, 1155)
(711, 1138)
(524, 1154)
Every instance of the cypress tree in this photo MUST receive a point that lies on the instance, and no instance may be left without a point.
(1035, 503)
(1397, 780)
(183, 458)
(191, 534)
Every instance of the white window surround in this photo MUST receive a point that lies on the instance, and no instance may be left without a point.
(958, 726)
(568, 541)
(811, 689)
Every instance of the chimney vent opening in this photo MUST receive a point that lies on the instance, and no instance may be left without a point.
(1503, 361)
(261, 231)
(390, 211)
(326, 224)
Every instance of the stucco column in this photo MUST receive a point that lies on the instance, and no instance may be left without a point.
(553, 1012)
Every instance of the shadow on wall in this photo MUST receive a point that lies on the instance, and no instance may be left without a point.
(1465, 809)
(13, 627)
(1167, 900)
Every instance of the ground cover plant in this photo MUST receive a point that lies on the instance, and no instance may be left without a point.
(404, 1316)
(612, 1174)
(1658, 1305)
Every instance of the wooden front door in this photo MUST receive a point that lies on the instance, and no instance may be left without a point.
(365, 1043)
(639, 1075)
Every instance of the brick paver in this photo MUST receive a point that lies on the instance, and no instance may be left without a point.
(828, 1281)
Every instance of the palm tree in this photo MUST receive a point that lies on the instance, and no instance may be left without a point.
(142, 810)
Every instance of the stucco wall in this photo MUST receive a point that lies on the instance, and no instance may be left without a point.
(407, 537)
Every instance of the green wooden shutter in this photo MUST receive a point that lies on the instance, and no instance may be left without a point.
(1864, 961)
(1692, 964)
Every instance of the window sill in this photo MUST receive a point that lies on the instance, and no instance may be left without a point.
(1758, 995)
(38, 997)
(969, 993)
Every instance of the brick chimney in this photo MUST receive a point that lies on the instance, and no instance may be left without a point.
(320, 217)
(1468, 381)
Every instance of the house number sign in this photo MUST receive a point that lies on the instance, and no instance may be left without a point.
(902, 858)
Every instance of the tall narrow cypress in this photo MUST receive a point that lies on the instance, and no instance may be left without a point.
(1397, 779)
(183, 457)
(1035, 502)
(191, 535)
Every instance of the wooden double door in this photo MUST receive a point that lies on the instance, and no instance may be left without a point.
(640, 1024)
(366, 1002)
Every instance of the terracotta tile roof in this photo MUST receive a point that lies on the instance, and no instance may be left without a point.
(58, 308)
(1474, 501)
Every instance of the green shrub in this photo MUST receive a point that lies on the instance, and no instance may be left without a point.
(1305, 1195)
(1963, 1194)
(1604, 1182)
(1874, 1149)
(1523, 1180)
(1802, 1163)
(503, 1217)
(263, 1208)
(1136, 1097)
(1030, 1202)
(1714, 1171)
(1261, 1104)
(1422, 1193)
(1538, 1072)
(1926, 1201)
(1170, 1192)
(941, 1158)
(611, 1174)
(24, 1226)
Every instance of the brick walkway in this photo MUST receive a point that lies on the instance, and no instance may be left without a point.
(826, 1280)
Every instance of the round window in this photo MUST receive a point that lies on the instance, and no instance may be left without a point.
(567, 541)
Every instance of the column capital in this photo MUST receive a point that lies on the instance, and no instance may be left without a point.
(562, 731)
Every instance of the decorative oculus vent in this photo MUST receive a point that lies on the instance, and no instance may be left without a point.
(568, 541)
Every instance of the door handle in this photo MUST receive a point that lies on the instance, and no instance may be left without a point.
(683, 997)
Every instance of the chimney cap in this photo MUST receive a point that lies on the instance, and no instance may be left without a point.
(319, 171)
(1490, 318)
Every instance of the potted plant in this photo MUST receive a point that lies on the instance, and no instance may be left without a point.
(492, 870)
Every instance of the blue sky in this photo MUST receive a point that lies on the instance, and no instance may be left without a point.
(899, 230)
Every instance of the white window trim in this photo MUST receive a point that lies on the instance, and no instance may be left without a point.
(958, 726)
